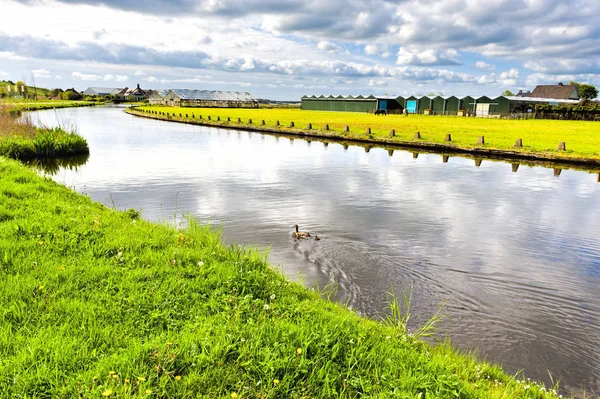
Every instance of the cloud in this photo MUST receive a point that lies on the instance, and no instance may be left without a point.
(87, 77)
(484, 65)
(117, 78)
(374, 82)
(3, 74)
(139, 73)
(371, 49)
(41, 73)
(414, 56)
(328, 46)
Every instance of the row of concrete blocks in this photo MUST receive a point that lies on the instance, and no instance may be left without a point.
(562, 146)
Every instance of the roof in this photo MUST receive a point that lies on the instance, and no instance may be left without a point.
(554, 91)
(540, 100)
(212, 95)
(102, 90)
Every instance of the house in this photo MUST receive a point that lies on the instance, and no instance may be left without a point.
(559, 91)
(101, 91)
(135, 94)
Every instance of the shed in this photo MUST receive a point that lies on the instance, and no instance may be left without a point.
(425, 102)
(438, 105)
(467, 104)
(452, 105)
(411, 104)
(340, 103)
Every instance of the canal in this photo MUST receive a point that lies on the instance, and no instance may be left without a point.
(512, 251)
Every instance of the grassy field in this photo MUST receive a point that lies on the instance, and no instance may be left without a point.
(99, 303)
(539, 136)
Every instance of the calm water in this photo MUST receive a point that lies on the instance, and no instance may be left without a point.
(516, 255)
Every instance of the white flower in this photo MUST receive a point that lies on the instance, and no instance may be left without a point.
(200, 263)
(266, 306)
(272, 297)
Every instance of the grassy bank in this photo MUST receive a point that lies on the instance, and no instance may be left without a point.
(49, 104)
(20, 139)
(98, 303)
(540, 137)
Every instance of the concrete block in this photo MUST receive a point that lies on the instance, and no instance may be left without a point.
(519, 143)
(481, 140)
(347, 129)
(392, 133)
(291, 124)
(417, 135)
(309, 126)
(326, 127)
(448, 137)
(562, 146)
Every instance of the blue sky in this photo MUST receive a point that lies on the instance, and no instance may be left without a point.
(283, 49)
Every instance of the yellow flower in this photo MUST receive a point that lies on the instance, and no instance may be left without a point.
(299, 351)
(275, 382)
(234, 395)
(107, 393)
(41, 287)
(115, 376)
(148, 391)
(111, 372)
(126, 380)
(141, 379)
(177, 377)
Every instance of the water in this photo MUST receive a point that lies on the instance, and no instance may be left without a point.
(515, 255)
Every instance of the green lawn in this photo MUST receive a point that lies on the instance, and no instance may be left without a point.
(30, 105)
(97, 303)
(539, 136)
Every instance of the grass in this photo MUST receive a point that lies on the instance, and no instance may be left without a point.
(539, 136)
(20, 139)
(31, 105)
(99, 303)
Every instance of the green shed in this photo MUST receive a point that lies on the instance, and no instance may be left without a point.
(467, 103)
(500, 105)
(438, 105)
(452, 105)
(425, 102)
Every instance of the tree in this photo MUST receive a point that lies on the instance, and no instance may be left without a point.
(574, 83)
(508, 93)
(21, 88)
(587, 92)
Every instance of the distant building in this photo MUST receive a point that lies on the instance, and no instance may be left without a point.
(101, 91)
(157, 97)
(135, 94)
(205, 99)
(559, 91)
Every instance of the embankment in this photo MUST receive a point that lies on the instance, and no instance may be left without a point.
(100, 302)
(495, 141)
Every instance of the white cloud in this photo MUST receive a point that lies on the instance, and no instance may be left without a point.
(3, 74)
(328, 46)
(139, 73)
(371, 49)
(41, 73)
(85, 77)
(415, 56)
(116, 78)
(374, 82)
(57, 77)
(484, 65)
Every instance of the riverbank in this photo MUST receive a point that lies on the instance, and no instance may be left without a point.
(127, 308)
(17, 107)
(500, 136)
(20, 139)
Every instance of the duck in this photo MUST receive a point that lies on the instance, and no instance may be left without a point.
(317, 238)
(300, 234)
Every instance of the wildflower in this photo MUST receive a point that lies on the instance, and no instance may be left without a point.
(41, 287)
(148, 391)
(266, 306)
(35, 263)
(526, 387)
(234, 395)
(107, 393)
(141, 379)
(272, 297)
(177, 377)
(111, 373)
(388, 337)
(126, 381)
(115, 376)
(275, 382)
(299, 351)
(200, 263)
(94, 378)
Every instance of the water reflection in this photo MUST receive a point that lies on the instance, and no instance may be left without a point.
(517, 255)
(51, 166)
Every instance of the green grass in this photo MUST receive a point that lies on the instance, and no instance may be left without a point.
(30, 105)
(539, 136)
(45, 143)
(98, 303)
(40, 91)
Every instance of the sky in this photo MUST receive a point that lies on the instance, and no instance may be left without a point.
(283, 49)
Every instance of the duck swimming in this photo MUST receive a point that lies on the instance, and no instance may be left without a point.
(300, 234)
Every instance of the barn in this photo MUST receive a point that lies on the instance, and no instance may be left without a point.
(348, 103)
(206, 99)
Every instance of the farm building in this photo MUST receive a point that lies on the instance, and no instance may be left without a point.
(102, 91)
(206, 99)
(352, 104)
(482, 106)
(157, 96)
